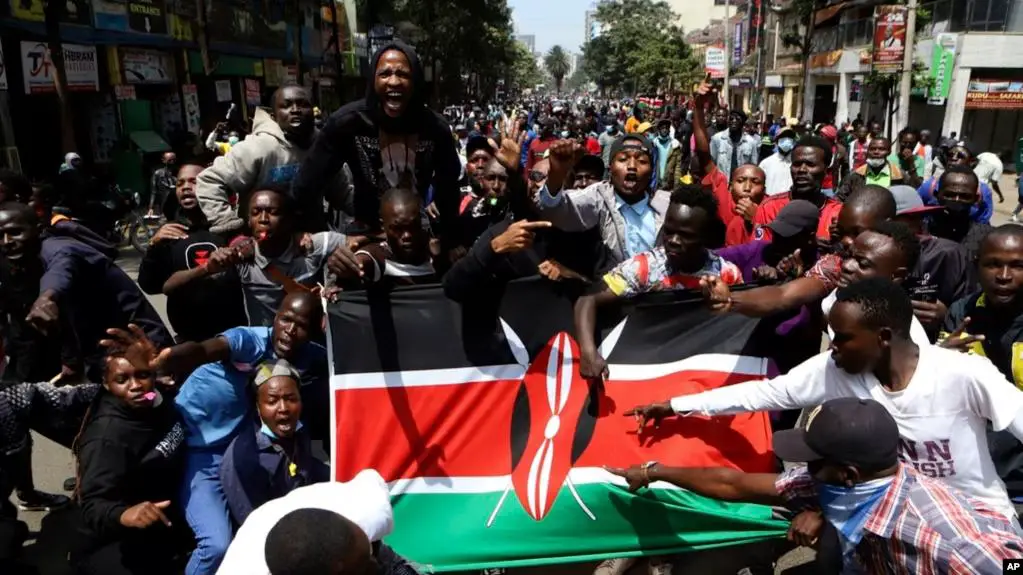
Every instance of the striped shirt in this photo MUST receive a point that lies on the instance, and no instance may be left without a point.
(921, 525)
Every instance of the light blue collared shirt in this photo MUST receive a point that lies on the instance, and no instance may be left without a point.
(640, 226)
(640, 221)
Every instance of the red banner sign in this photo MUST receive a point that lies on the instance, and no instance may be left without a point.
(995, 95)
(889, 39)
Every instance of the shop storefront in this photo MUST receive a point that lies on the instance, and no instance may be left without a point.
(994, 111)
(227, 86)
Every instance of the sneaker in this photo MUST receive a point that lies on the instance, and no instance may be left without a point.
(39, 501)
(70, 484)
(494, 571)
(614, 566)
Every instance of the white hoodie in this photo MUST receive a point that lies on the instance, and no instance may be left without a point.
(265, 157)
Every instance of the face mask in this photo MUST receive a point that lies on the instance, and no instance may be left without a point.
(957, 211)
(785, 145)
(232, 140)
(848, 508)
(265, 430)
(564, 133)
(876, 163)
(610, 129)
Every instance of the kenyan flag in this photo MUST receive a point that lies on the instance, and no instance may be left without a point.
(494, 445)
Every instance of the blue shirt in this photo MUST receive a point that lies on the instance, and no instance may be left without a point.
(213, 401)
(640, 226)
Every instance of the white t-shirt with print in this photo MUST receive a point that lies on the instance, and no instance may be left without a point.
(917, 334)
(942, 413)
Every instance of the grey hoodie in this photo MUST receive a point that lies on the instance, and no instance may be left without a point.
(263, 158)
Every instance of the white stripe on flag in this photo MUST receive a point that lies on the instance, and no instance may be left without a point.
(497, 484)
(720, 362)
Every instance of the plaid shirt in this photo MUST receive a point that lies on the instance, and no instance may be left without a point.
(920, 526)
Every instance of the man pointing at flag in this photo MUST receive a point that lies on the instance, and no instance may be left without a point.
(942, 400)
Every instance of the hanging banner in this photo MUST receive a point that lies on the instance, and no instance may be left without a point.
(889, 39)
(756, 23)
(3, 70)
(715, 62)
(995, 95)
(148, 16)
(252, 96)
(737, 45)
(79, 66)
(190, 99)
(942, 63)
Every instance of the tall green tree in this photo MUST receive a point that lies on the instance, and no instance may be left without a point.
(524, 71)
(640, 48)
(557, 65)
(802, 12)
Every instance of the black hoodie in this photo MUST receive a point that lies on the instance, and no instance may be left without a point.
(127, 456)
(351, 136)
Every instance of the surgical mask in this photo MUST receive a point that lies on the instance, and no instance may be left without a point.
(610, 129)
(232, 140)
(876, 163)
(265, 430)
(785, 145)
(564, 133)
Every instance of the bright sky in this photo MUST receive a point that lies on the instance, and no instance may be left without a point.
(552, 21)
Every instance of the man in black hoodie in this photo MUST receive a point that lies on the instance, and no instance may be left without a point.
(199, 305)
(387, 139)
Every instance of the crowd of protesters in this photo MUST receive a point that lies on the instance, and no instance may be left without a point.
(194, 451)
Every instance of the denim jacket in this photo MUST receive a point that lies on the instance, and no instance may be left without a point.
(721, 151)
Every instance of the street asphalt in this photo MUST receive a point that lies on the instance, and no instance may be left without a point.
(52, 464)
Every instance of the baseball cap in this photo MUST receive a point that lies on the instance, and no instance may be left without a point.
(642, 129)
(796, 216)
(846, 430)
(785, 132)
(632, 141)
(907, 201)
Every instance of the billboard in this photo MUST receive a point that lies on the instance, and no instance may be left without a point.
(715, 62)
(995, 95)
(889, 39)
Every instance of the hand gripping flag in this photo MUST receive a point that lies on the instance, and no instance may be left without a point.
(494, 445)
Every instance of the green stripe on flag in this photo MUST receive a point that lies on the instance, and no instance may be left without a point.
(447, 531)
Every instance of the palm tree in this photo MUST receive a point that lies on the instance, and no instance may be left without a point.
(557, 65)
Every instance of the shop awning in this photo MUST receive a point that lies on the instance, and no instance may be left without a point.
(149, 141)
(828, 13)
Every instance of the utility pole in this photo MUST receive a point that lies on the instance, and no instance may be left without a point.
(728, 51)
(906, 86)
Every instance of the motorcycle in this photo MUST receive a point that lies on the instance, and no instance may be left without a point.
(119, 218)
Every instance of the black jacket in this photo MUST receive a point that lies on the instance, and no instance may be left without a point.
(352, 136)
(205, 307)
(127, 456)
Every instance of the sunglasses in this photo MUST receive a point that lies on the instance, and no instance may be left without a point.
(537, 176)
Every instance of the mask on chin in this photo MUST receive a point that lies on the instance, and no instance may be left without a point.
(876, 163)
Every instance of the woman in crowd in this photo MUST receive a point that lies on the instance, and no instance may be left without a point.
(275, 456)
(129, 467)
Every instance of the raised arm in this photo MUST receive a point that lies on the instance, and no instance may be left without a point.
(720, 483)
(767, 300)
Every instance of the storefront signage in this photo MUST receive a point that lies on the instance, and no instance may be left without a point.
(825, 59)
(68, 11)
(773, 81)
(737, 45)
(79, 66)
(715, 62)
(190, 99)
(149, 16)
(147, 67)
(252, 97)
(942, 62)
(3, 71)
(995, 95)
(223, 88)
(889, 39)
(124, 92)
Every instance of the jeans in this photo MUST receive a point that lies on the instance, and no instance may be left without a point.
(206, 509)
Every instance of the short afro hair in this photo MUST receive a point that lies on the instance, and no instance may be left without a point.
(308, 542)
(695, 196)
(904, 238)
(16, 186)
(816, 142)
(1002, 231)
(959, 170)
(878, 199)
(883, 302)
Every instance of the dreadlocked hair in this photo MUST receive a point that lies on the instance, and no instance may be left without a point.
(112, 353)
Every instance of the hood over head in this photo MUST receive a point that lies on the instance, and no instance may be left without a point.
(409, 121)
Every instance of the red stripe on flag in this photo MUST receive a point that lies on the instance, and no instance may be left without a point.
(428, 431)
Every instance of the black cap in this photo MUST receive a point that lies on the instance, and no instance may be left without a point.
(632, 141)
(795, 217)
(590, 163)
(847, 430)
